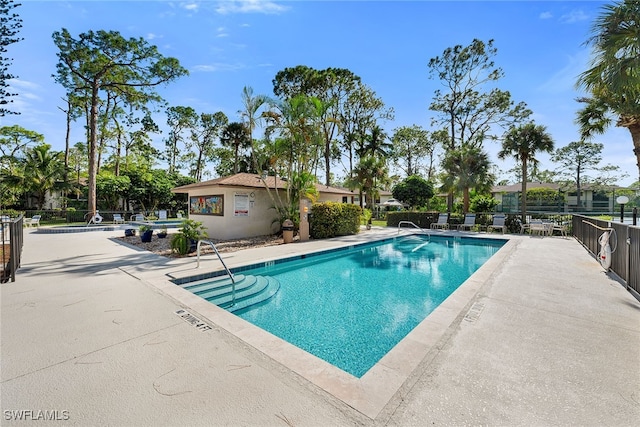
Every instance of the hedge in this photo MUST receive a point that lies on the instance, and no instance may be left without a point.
(331, 219)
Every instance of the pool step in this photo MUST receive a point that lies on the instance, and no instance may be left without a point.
(211, 283)
(249, 290)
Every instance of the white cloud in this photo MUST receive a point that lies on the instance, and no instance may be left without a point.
(564, 79)
(152, 36)
(30, 96)
(250, 6)
(209, 68)
(576, 15)
(190, 6)
(23, 84)
(222, 32)
(546, 15)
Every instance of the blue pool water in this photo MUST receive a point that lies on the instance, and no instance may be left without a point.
(351, 307)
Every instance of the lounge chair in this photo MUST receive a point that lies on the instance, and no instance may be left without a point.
(137, 217)
(117, 219)
(34, 221)
(442, 223)
(498, 224)
(162, 214)
(469, 222)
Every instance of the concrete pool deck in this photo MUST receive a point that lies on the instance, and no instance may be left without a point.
(90, 334)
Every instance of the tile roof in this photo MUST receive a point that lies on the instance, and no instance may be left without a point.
(250, 180)
(515, 188)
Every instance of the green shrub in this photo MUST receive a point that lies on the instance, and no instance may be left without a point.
(180, 244)
(483, 204)
(421, 219)
(188, 232)
(331, 219)
(366, 216)
(145, 227)
(11, 213)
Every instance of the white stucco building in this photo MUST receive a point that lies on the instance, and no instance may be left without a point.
(240, 205)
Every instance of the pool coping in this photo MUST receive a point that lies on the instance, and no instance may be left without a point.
(375, 389)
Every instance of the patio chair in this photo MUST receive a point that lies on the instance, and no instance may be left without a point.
(469, 222)
(162, 214)
(538, 227)
(498, 223)
(562, 228)
(34, 221)
(137, 217)
(548, 226)
(117, 219)
(442, 223)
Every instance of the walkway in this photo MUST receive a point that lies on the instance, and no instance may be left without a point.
(90, 336)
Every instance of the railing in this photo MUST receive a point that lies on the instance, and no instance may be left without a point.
(11, 242)
(625, 245)
(410, 223)
(59, 217)
(233, 280)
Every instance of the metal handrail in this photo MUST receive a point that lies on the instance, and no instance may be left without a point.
(233, 280)
(16, 242)
(597, 226)
(410, 223)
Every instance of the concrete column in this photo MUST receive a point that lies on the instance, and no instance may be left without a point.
(305, 208)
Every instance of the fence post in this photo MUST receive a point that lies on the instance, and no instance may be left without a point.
(628, 240)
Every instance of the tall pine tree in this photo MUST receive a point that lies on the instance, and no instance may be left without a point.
(10, 24)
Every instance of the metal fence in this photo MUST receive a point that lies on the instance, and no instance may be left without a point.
(11, 240)
(56, 216)
(625, 246)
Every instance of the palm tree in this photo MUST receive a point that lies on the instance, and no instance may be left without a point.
(614, 76)
(250, 113)
(375, 144)
(236, 136)
(522, 143)
(297, 121)
(367, 176)
(43, 170)
(467, 168)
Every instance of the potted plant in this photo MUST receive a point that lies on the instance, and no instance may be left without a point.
(146, 232)
(186, 239)
(129, 232)
(366, 216)
(163, 232)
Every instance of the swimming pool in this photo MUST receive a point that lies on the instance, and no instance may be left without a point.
(349, 307)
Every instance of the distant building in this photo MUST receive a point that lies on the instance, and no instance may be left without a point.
(592, 199)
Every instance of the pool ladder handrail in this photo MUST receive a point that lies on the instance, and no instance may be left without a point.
(411, 223)
(233, 280)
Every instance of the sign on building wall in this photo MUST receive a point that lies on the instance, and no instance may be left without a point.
(207, 205)
(241, 204)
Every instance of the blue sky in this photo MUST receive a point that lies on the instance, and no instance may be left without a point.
(227, 45)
